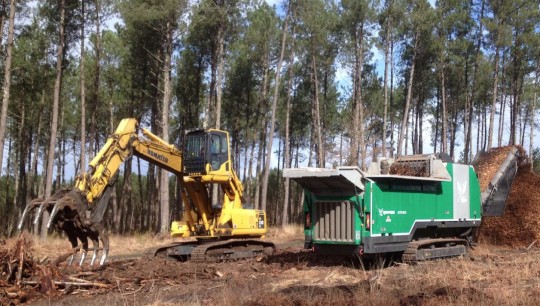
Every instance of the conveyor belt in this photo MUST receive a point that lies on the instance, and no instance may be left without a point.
(496, 193)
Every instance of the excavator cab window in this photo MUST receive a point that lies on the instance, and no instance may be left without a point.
(219, 149)
(203, 148)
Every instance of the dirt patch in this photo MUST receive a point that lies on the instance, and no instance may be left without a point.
(519, 226)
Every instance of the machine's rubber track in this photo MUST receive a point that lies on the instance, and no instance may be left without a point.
(427, 249)
(231, 249)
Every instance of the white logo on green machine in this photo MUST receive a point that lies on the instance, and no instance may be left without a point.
(383, 212)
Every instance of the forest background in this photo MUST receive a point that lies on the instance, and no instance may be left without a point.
(318, 83)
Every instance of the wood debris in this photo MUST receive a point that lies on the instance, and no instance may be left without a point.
(24, 278)
(408, 170)
(519, 226)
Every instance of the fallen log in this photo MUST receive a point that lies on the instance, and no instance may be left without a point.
(21, 262)
(67, 283)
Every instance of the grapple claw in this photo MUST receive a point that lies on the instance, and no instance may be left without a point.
(29, 207)
(70, 212)
(83, 257)
(39, 212)
(103, 257)
(53, 213)
(94, 255)
(70, 260)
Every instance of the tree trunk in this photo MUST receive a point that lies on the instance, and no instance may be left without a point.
(164, 185)
(83, 97)
(466, 122)
(34, 164)
(61, 149)
(467, 154)
(494, 100)
(7, 208)
(93, 135)
(7, 82)
(357, 140)
(23, 153)
(407, 100)
(392, 97)
(386, 59)
(420, 122)
(531, 132)
(444, 120)
(54, 123)
(502, 114)
(270, 137)
(262, 135)
(287, 153)
(318, 128)
(437, 119)
(2, 20)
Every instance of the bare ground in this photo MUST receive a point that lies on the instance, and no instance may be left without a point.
(491, 275)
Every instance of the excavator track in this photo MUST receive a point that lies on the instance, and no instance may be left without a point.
(221, 250)
(427, 249)
(231, 250)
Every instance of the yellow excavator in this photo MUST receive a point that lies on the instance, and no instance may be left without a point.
(229, 231)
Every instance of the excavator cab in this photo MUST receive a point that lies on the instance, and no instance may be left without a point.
(206, 152)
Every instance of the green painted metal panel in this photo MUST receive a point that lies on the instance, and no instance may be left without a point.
(397, 204)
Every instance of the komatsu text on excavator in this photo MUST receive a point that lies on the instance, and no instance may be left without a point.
(226, 232)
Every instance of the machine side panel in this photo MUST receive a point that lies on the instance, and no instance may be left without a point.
(398, 204)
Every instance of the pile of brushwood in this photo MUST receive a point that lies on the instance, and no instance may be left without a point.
(23, 277)
(519, 226)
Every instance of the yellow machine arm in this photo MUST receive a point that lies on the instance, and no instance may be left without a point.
(123, 144)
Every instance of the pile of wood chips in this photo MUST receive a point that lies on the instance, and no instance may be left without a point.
(519, 226)
(408, 170)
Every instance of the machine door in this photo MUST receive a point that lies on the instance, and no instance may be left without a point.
(218, 150)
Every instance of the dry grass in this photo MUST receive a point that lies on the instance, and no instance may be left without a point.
(285, 233)
(491, 275)
(138, 242)
(488, 277)
(119, 244)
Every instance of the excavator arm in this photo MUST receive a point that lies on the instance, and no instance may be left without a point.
(127, 140)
